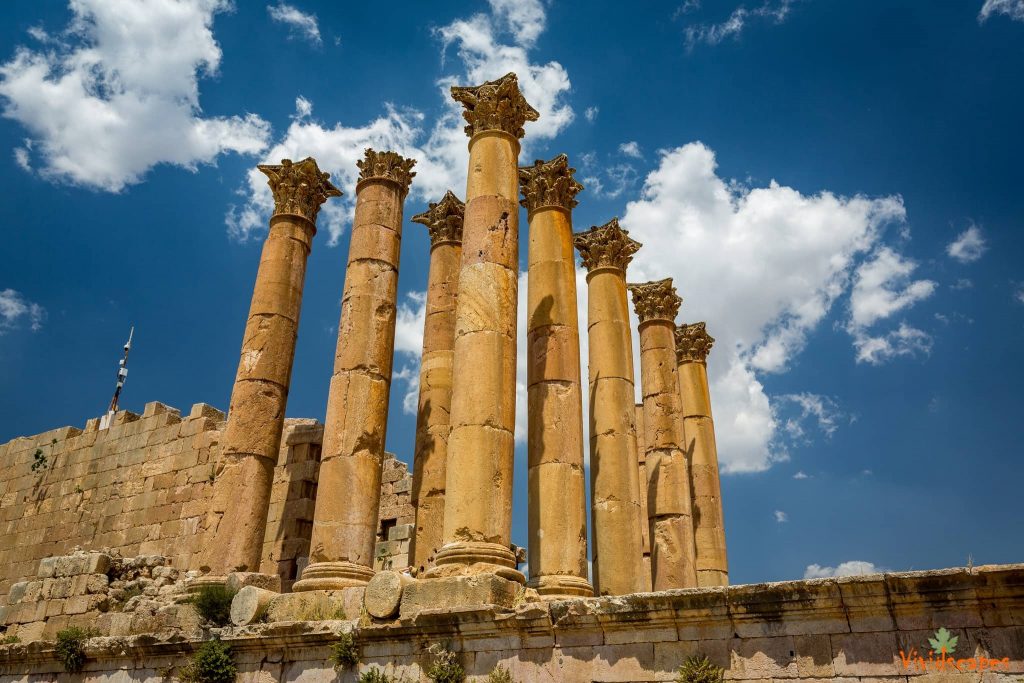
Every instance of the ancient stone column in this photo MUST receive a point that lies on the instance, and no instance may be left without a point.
(673, 562)
(557, 490)
(241, 490)
(348, 489)
(478, 484)
(693, 344)
(641, 450)
(614, 480)
(444, 222)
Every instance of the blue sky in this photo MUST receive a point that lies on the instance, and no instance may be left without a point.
(834, 186)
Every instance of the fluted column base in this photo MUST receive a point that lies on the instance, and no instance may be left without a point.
(553, 587)
(333, 576)
(471, 557)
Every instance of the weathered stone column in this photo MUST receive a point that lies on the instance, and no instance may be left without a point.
(241, 490)
(693, 344)
(557, 490)
(641, 450)
(673, 562)
(348, 489)
(478, 484)
(614, 475)
(444, 222)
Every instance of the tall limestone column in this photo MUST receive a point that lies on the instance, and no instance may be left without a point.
(693, 343)
(348, 490)
(241, 490)
(478, 484)
(557, 490)
(614, 475)
(645, 528)
(673, 554)
(444, 222)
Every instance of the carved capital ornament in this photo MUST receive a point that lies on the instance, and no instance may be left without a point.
(606, 246)
(495, 105)
(549, 183)
(386, 166)
(693, 343)
(655, 300)
(299, 188)
(443, 219)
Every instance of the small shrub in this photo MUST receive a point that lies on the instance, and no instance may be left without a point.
(345, 652)
(70, 650)
(214, 604)
(374, 675)
(212, 663)
(38, 460)
(500, 675)
(699, 669)
(445, 668)
(10, 640)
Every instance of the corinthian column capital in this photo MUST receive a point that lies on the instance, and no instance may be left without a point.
(443, 219)
(693, 343)
(299, 188)
(606, 246)
(495, 105)
(655, 300)
(549, 183)
(386, 166)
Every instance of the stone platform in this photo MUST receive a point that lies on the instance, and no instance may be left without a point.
(842, 629)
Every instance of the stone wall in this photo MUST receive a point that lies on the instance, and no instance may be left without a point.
(143, 486)
(844, 629)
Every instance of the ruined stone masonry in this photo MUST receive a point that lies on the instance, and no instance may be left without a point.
(316, 531)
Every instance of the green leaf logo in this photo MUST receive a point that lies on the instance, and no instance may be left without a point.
(943, 642)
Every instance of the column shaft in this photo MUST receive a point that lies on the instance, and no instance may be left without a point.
(478, 488)
(641, 448)
(614, 475)
(348, 489)
(699, 428)
(444, 220)
(673, 554)
(256, 415)
(557, 490)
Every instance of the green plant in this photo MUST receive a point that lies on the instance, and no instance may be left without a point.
(38, 460)
(374, 675)
(944, 642)
(445, 667)
(500, 675)
(345, 652)
(70, 649)
(214, 604)
(211, 663)
(699, 669)
(10, 640)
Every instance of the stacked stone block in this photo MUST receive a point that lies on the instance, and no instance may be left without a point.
(100, 591)
(397, 517)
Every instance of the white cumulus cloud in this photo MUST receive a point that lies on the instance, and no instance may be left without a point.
(781, 516)
(631, 149)
(733, 25)
(1014, 9)
(119, 94)
(763, 266)
(489, 45)
(300, 24)
(968, 247)
(851, 568)
(15, 310)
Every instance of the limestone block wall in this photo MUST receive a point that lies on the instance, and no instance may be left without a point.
(140, 486)
(143, 486)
